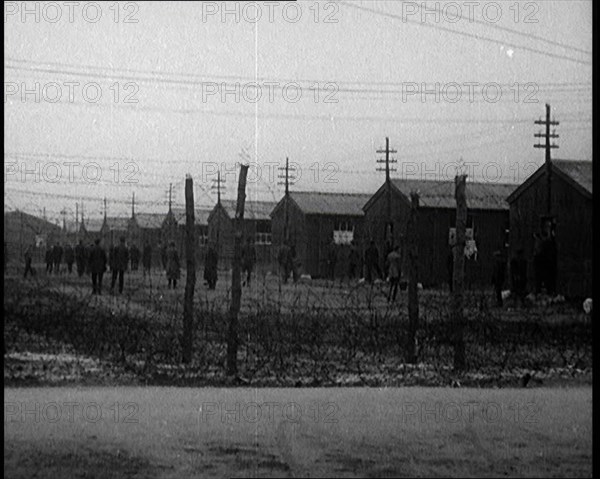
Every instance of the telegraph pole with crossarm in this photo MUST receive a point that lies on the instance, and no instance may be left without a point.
(388, 186)
(548, 147)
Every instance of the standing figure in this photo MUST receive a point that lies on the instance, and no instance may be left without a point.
(119, 259)
(248, 260)
(134, 253)
(293, 262)
(283, 258)
(518, 274)
(393, 261)
(49, 260)
(331, 259)
(147, 258)
(163, 255)
(69, 258)
(28, 258)
(57, 255)
(97, 266)
(498, 275)
(353, 260)
(80, 258)
(210, 266)
(372, 262)
(173, 265)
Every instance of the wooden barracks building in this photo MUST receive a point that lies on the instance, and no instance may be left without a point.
(570, 208)
(487, 224)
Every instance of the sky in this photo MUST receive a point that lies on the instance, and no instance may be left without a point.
(120, 98)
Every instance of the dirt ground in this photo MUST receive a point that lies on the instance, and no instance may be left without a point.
(397, 432)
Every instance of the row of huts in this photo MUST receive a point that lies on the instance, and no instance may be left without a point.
(500, 217)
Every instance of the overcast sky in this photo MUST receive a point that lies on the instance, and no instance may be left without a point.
(176, 60)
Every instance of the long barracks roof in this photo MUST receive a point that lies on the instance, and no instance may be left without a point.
(440, 194)
(576, 172)
(200, 215)
(150, 220)
(341, 204)
(253, 210)
(117, 223)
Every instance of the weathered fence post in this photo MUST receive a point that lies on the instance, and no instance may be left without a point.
(459, 273)
(236, 283)
(413, 274)
(190, 282)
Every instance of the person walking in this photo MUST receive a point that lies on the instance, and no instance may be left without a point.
(393, 261)
(173, 265)
(49, 260)
(147, 258)
(248, 260)
(283, 258)
(57, 255)
(69, 257)
(372, 262)
(518, 275)
(498, 275)
(211, 261)
(119, 260)
(134, 253)
(97, 266)
(28, 256)
(80, 258)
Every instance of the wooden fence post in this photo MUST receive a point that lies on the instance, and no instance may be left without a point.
(459, 273)
(413, 273)
(190, 282)
(236, 284)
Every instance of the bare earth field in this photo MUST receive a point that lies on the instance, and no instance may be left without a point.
(352, 432)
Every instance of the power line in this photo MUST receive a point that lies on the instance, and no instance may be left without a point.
(464, 34)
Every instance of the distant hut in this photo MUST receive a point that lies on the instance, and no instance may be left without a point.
(314, 219)
(487, 223)
(571, 216)
(257, 225)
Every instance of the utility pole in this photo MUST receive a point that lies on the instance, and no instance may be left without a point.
(458, 324)
(236, 287)
(217, 186)
(170, 196)
(548, 147)
(76, 219)
(413, 276)
(133, 205)
(388, 185)
(285, 176)
(190, 281)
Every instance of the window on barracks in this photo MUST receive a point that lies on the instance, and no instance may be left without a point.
(263, 232)
(203, 236)
(343, 232)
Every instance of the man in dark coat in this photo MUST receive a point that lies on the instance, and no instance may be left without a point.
(518, 274)
(69, 258)
(173, 265)
(283, 258)
(97, 266)
(248, 260)
(498, 275)
(163, 255)
(57, 255)
(210, 266)
(118, 264)
(80, 258)
(332, 254)
(28, 258)
(134, 253)
(353, 260)
(147, 258)
(372, 262)
(49, 260)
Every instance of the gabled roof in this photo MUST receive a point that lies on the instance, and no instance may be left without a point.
(150, 220)
(200, 215)
(576, 172)
(30, 222)
(253, 210)
(93, 225)
(440, 194)
(117, 223)
(321, 203)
